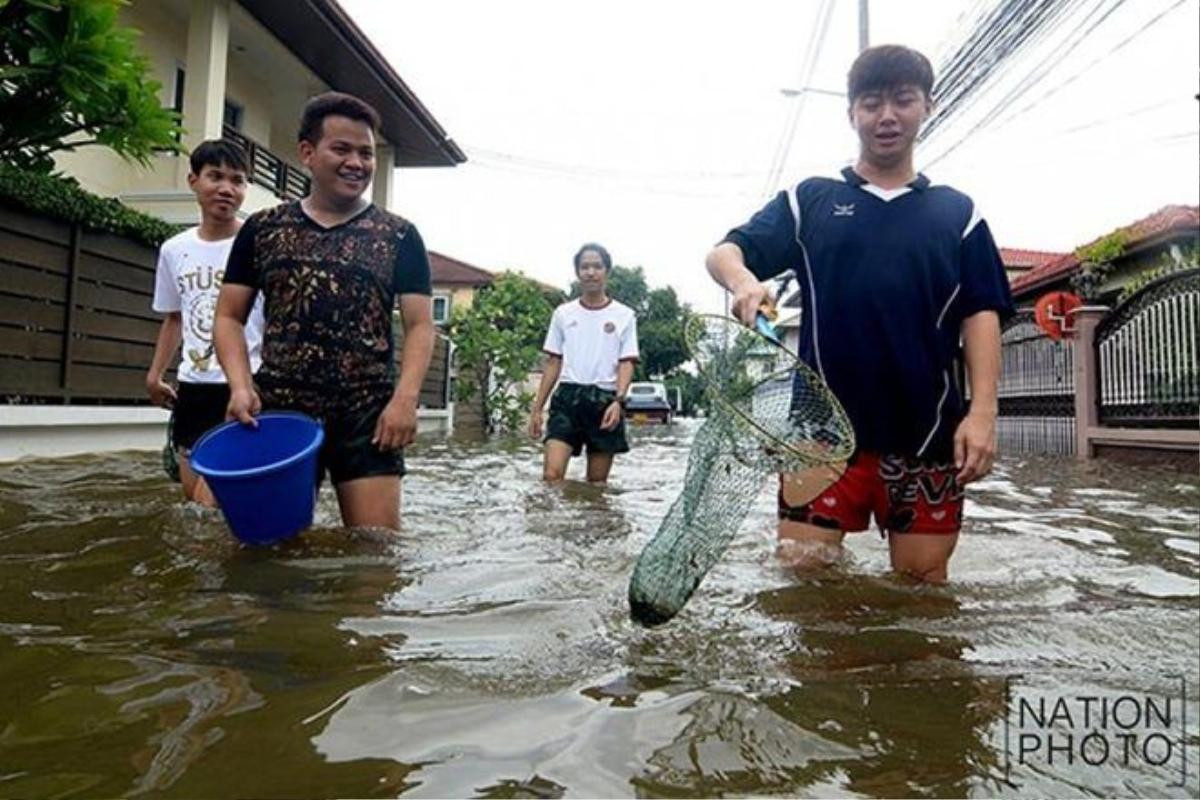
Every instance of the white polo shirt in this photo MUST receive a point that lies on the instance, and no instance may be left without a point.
(592, 341)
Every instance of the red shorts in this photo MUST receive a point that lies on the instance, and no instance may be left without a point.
(906, 495)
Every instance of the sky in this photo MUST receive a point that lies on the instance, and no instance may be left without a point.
(651, 127)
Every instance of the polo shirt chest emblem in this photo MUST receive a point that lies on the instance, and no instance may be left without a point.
(843, 209)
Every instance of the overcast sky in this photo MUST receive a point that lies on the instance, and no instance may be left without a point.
(650, 126)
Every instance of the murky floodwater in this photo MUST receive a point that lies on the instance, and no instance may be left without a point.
(487, 652)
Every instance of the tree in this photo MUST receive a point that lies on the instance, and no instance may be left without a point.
(660, 331)
(71, 77)
(498, 339)
(691, 391)
(660, 318)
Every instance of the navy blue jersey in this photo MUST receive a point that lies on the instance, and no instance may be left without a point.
(886, 279)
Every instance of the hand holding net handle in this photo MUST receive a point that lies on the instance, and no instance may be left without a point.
(765, 328)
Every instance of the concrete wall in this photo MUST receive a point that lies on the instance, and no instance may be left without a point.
(61, 431)
(57, 431)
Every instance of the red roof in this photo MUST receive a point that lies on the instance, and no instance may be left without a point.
(1167, 220)
(450, 271)
(1015, 258)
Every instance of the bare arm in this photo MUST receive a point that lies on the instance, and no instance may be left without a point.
(229, 340)
(612, 414)
(727, 266)
(397, 425)
(549, 379)
(170, 334)
(975, 439)
(624, 376)
(416, 310)
(550, 374)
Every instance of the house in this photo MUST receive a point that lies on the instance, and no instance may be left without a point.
(788, 324)
(80, 330)
(454, 284)
(1020, 262)
(1166, 233)
(243, 69)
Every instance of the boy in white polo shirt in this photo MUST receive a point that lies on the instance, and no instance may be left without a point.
(592, 344)
(191, 266)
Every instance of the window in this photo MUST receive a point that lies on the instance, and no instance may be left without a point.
(233, 115)
(441, 309)
(177, 101)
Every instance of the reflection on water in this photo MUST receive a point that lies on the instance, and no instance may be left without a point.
(486, 650)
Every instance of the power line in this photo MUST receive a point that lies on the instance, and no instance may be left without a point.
(812, 53)
(1074, 38)
(1041, 70)
(1114, 117)
(1009, 30)
(533, 163)
(1075, 75)
(648, 186)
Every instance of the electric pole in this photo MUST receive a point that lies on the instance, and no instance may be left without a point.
(864, 24)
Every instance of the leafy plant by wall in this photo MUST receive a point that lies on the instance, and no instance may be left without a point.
(1096, 263)
(62, 199)
(71, 76)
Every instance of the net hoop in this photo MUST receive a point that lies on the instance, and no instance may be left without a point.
(698, 326)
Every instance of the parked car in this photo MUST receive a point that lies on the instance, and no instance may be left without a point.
(647, 402)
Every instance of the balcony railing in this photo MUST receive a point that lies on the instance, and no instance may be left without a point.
(269, 170)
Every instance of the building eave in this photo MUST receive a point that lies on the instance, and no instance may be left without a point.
(322, 35)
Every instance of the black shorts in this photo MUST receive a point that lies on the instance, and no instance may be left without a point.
(576, 411)
(347, 453)
(199, 408)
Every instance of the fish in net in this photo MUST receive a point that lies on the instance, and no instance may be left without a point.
(769, 413)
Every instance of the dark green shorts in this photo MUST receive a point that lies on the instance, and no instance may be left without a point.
(575, 415)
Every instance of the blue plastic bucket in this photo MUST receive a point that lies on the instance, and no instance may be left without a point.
(264, 478)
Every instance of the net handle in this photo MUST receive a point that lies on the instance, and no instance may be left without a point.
(762, 325)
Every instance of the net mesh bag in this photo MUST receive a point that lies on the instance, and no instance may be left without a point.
(769, 413)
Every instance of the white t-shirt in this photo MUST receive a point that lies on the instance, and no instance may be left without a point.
(592, 341)
(188, 280)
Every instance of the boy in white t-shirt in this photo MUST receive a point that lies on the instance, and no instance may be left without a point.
(592, 344)
(191, 265)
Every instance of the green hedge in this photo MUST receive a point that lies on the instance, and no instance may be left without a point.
(63, 200)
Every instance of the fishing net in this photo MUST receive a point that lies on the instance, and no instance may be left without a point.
(169, 461)
(769, 413)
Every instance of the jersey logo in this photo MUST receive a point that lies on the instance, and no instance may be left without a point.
(609, 327)
(846, 210)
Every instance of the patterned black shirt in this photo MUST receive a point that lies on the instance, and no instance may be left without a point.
(329, 293)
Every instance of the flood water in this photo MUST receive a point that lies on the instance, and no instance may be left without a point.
(487, 652)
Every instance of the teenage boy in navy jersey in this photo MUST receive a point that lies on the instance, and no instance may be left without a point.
(899, 277)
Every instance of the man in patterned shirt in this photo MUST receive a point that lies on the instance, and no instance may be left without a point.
(331, 267)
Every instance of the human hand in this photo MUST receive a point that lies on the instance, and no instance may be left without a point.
(748, 299)
(244, 405)
(612, 416)
(535, 424)
(397, 424)
(161, 393)
(975, 446)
